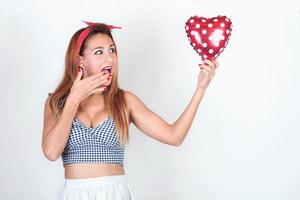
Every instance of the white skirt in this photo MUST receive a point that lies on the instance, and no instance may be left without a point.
(100, 188)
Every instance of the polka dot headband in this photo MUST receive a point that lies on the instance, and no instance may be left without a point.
(86, 32)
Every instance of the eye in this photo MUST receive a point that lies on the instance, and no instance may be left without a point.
(113, 50)
(98, 52)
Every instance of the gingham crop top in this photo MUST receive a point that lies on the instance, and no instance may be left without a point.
(99, 144)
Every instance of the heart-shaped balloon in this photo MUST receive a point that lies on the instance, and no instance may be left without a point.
(208, 36)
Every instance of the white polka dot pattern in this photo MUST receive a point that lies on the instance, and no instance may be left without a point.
(208, 36)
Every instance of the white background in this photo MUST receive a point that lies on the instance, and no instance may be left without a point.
(244, 141)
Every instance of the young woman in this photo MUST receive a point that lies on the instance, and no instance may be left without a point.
(87, 117)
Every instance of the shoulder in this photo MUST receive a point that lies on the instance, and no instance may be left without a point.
(133, 102)
(47, 103)
(49, 115)
(130, 98)
(47, 100)
(48, 107)
(128, 94)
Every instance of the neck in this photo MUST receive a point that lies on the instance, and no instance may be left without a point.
(94, 101)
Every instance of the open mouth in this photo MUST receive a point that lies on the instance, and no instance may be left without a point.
(107, 68)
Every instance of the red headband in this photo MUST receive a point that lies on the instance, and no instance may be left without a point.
(87, 30)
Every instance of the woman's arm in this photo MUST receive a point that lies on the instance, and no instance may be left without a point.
(182, 125)
(154, 126)
(56, 131)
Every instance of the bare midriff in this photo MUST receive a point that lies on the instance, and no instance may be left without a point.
(92, 170)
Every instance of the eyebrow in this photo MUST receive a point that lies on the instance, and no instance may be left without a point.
(103, 47)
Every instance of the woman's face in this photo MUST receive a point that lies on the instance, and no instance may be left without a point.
(100, 53)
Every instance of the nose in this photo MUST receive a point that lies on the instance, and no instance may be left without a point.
(109, 57)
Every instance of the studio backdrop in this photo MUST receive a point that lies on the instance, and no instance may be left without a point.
(244, 141)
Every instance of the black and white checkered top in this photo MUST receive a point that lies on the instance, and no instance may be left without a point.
(98, 145)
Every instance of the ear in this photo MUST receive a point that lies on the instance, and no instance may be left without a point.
(81, 61)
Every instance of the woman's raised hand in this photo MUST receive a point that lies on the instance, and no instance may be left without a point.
(207, 72)
(83, 88)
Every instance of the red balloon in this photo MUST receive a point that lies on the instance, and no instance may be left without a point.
(208, 36)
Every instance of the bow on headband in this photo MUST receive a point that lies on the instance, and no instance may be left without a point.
(87, 30)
